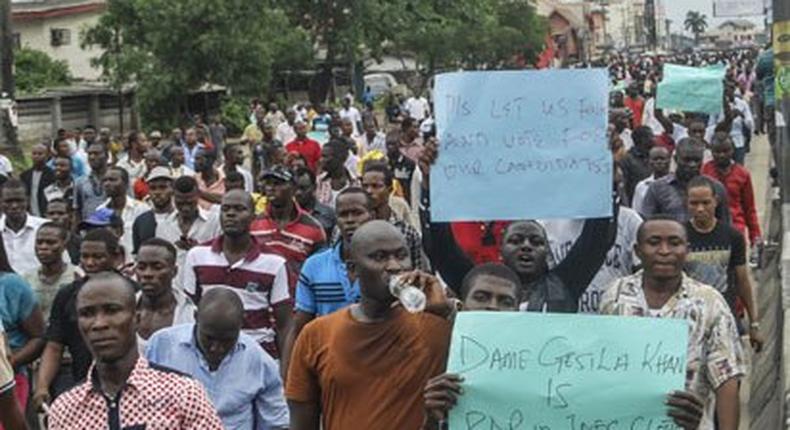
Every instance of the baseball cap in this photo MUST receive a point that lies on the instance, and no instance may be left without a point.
(102, 217)
(278, 172)
(159, 172)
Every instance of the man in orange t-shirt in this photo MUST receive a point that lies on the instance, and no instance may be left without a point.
(636, 103)
(366, 366)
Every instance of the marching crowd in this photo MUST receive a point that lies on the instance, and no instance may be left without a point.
(151, 282)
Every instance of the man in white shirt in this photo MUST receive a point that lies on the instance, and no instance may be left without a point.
(417, 107)
(18, 227)
(190, 224)
(352, 113)
(285, 130)
(115, 183)
(739, 116)
(659, 162)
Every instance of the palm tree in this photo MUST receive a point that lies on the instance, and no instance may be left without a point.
(696, 23)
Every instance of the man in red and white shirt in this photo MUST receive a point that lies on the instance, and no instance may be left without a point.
(285, 227)
(236, 260)
(123, 390)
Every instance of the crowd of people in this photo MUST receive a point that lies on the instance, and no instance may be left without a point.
(171, 283)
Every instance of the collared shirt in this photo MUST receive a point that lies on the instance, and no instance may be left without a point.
(53, 191)
(740, 193)
(189, 154)
(152, 398)
(135, 169)
(46, 289)
(296, 241)
(216, 187)
(203, 229)
(20, 246)
(324, 286)
(130, 212)
(324, 192)
(377, 143)
(668, 196)
(183, 313)
(260, 279)
(740, 125)
(308, 148)
(246, 388)
(714, 353)
(88, 195)
(640, 191)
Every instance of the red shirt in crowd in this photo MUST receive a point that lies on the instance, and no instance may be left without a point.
(636, 105)
(479, 240)
(308, 148)
(740, 193)
(296, 241)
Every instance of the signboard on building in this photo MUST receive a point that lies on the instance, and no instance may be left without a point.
(734, 8)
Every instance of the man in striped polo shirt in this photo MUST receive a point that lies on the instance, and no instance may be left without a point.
(236, 260)
(285, 227)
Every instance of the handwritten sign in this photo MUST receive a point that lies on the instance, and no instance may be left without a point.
(565, 372)
(691, 89)
(521, 145)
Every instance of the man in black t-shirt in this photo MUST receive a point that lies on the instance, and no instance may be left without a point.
(717, 253)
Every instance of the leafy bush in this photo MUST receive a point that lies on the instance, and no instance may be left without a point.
(35, 71)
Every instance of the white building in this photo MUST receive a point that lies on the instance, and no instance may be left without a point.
(54, 27)
(733, 33)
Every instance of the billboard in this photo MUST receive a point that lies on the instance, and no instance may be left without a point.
(734, 8)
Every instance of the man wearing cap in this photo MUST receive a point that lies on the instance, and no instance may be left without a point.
(160, 192)
(286, 227)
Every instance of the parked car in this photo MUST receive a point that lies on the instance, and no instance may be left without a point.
(380, 83)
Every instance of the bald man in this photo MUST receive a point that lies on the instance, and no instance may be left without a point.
(242, 380)
(107, 322)
(36, 178)
(350, 369)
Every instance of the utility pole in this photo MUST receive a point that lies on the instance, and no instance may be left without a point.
(7, 130)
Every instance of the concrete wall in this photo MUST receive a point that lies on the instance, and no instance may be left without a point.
(36, 34)
(43, 116)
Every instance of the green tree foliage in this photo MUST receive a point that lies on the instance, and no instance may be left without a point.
(170, 48)
(35, 71)
(696, 23)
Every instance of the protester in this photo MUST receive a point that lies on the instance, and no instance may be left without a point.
(61, 148)
(18, 227)
(717, 253)
(661, 290)
(116, 184)
(334, 176)
(267, 151)
(88, 191)
(177, 166)
(349, 111)
(59, 212)
(160, 190)
(134, 161)
(99, 253)
(153, 159)
(301, 144)
(377, 180)
(658, 160)
(740, 192)
(63, 186)
(635, 164)
(37, 178)
(402, 168)
(525, 249)
(236, 261)
(305, 196)
(51, 239)
(667, 195)
(106, 311)
(357, 342)
(234, 159)
(210, 180)
(159, 304)
(285, 227)
(738, 119)
(285, 131)
(242, 380)
(191, 146)
(371, 140)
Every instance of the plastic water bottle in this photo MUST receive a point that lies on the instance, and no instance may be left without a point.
(411, 297)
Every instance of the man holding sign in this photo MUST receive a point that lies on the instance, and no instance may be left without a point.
(715, 359)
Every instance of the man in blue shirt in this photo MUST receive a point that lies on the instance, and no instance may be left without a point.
(241, 379)
(324, 285)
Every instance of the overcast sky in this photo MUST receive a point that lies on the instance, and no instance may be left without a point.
(676, 11)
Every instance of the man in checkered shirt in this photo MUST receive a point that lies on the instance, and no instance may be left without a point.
(123, 390)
